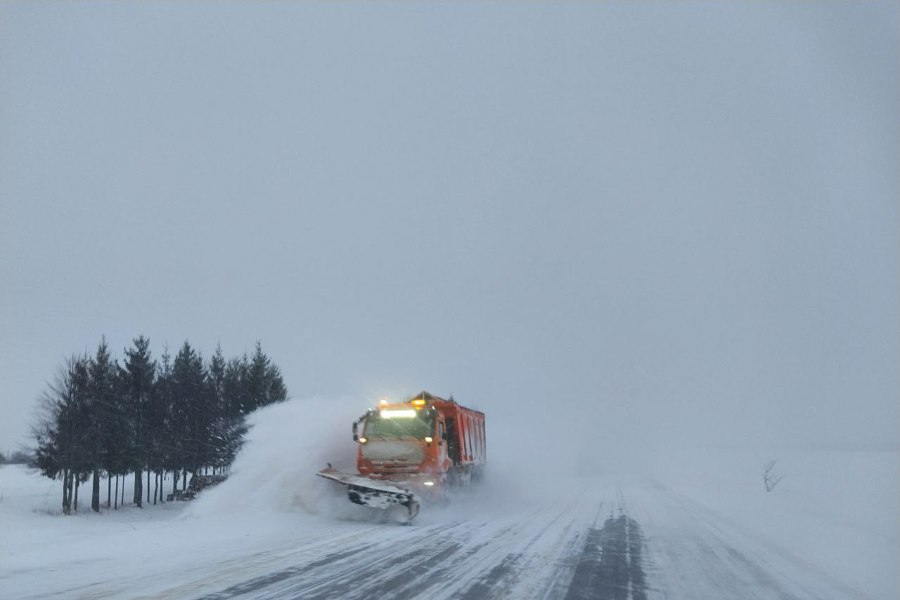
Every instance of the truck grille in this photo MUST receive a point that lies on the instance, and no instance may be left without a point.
(391, 467)
(399, 453)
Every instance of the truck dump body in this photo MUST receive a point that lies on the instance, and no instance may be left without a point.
(465, 434)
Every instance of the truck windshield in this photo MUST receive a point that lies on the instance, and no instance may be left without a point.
(399, 424)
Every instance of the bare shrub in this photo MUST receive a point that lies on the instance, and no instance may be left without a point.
(769, 478)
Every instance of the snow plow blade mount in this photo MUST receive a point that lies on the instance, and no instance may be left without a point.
(364, 491)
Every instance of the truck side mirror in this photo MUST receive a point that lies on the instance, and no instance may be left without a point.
(355, 436)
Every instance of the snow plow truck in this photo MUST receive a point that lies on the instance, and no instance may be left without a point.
(408, 450)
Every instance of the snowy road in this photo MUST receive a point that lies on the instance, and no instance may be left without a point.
(603, 542)
(697, 529)
(535, 554)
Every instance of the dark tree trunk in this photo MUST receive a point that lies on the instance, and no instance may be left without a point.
(65, 491)
(108, 491)
(155, 487)
(75, 483)
(95, 491)
(148, 486)
(184, 480)
(117, 493)
(122, 502)
(73, 498)
(138, 491)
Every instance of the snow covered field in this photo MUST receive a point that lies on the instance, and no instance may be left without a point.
(691, 524)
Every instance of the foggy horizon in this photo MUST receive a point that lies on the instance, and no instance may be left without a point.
(660, 225)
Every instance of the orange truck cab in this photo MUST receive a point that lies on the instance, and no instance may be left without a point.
(426, 443)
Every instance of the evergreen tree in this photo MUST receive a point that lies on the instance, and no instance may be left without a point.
(237, 395)
(60, 430)
(277, 391)
(216, 380)
(120, 437)
(139, 374)
(103, 416)
(264, 383)
(165, 434)
(227, 424)
(191, 408)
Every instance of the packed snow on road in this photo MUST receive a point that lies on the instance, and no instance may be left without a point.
(548, 522)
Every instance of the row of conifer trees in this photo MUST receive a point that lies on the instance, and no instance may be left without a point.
(180, 416)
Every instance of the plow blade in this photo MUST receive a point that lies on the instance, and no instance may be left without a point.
(365, 491)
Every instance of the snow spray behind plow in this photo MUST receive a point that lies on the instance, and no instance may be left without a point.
(285, 445)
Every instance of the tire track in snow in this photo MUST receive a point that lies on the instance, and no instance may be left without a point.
(339, 574)
(253, 563)
(278, 576)
(442, 570)
(513, 568)
(610, 566)
(439, 561)
(588, 547)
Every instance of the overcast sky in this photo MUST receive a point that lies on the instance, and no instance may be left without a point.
(665, 220)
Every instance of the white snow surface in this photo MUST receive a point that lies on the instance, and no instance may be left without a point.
(274, 530)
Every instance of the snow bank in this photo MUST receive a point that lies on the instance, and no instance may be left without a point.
(835, 508)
